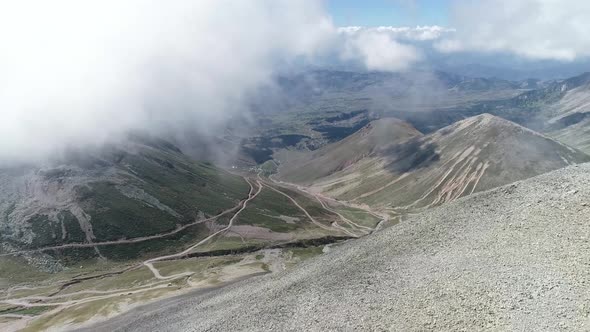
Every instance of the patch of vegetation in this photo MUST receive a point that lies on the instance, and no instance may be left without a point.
(129, 279)
(358, 216)
(312, 206)
(46, 231)
(184, 186)
(72, 256)
(50, 232)
(345, 116)
(269, 167)
(163, 246)
(17, 270)
(335, 133)
(306, 253)
(8, 319)
(230, 245)
(195, 265)
(30, 311)
(187, 187)
(76, 314)
(72, 227)
(115, 216)
(265, 211)
(411, 155)
(265, 267)
(259, 154)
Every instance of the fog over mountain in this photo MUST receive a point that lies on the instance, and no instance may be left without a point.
(84, 73)
(79, 73)
(71, 79)
(535, 29)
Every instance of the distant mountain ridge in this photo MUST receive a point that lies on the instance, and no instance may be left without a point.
(562, 110)
(335, 157)
(513, 258)
(472, 155)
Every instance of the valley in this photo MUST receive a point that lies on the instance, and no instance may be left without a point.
(101, 238)
(280, 165)
(414, 171)
(502, 259)
(243, 241)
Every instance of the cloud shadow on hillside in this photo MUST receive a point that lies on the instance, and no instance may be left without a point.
(410, 155)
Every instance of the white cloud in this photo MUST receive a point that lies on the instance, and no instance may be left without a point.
(535, 29)
(419, 33)
(83, 72)
(379, 51)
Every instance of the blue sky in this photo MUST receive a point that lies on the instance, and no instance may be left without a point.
(389, 12)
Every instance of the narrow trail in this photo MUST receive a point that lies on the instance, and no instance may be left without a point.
(95, 295)
(15, 316)
(36, 301)
(149, 262)
(255, 189)
(70, 303)
(364, 229)
(313, 220)
(324, 206)
(344, 230)
(372, 192)
(124, 241)
(95, 292)
(383, 217)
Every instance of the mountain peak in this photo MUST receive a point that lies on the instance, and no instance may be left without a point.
(577, 81)
(487, 119)
(387, 127)
(474, 154)
(375, 136)
(486, 122)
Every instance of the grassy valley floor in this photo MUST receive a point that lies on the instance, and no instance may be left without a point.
(273, 229)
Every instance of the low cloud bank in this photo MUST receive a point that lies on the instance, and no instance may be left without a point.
(533, 29)
(82, 73)
(76, 73)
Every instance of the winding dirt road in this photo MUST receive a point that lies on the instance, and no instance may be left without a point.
(255, 189)
(149, 262)
(37, 301)
(383, 217)
(354, 225)
(124, 241)
(313, 220)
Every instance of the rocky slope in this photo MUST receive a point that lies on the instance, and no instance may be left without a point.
(478, 153)
(570, 117)
(136, 189)
(561, 109)
(514, 258)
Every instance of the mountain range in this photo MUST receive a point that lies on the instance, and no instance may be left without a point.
(404, 169)
(376, 160)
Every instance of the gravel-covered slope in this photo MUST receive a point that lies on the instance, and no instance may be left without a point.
(514, 258)
(137, 188)
(476, 154)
